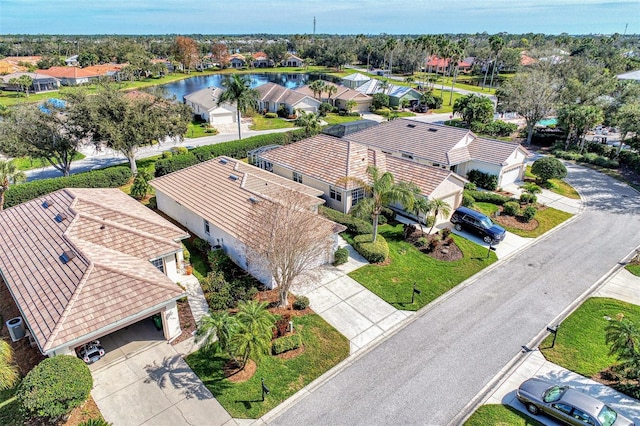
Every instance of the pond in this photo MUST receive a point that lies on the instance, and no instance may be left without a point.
(192, 84)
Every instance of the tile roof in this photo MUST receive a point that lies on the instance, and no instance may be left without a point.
(68, 72)
(272, 92)
(33, 75)
(493, 151)
(208, 98)
(309, 157)
(105, 69)
(343, 92)
(109, 277)
(219, 191)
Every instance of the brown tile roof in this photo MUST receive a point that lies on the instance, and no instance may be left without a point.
(219, 191)
(110, 278)
(68, 72)
(493, 151)
(343, 92)
(309, 157)
(272, 92)
(104, 69)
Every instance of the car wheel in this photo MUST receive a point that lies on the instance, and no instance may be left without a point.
(458, 227)
(533, 409)
(488, 239)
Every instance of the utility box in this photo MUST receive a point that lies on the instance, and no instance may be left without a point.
(16, 328)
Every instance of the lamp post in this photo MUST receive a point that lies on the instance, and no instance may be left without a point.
(265, 389)
(491, 248)
(553, 331)
(414, 292)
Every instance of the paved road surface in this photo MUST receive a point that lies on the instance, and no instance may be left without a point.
(429, 371)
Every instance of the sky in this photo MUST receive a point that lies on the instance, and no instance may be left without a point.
(370, 17)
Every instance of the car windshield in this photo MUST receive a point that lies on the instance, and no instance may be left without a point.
(607, 416)
(486, 222)
(553, 393)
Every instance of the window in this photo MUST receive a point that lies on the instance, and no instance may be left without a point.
(158, 263)
(297, 177)
(356, 195)
(207, 229)
(335, 195)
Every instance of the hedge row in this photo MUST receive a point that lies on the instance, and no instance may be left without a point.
(488, 197)
(233, 149)
(112, 177)
(589, 157)
(354, 225)
(374, 252)
(286, 343)
(483, 180)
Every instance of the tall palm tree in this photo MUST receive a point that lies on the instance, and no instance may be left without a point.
(497, 44)
(317, 87)
(255, 330)
(9, 372)
(390, 46)
(382, 191)
(439, 208)
(421, 206)
(239, 92)
(457, 54)
(9, 174)
(331, 90)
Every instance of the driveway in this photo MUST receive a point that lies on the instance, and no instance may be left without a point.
(155, 386)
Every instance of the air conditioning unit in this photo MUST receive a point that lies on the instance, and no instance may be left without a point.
(16, 328)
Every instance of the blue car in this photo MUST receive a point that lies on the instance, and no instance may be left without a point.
(475, 222)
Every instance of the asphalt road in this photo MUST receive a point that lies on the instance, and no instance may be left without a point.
(428, 372)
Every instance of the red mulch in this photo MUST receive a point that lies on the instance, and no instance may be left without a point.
(273, 298)
(442, 249)
(236, 375)
(187, 322)
(518, 222)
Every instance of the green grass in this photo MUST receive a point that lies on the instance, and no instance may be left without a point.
(580, 343)
(197, 129)
(198, 261)
(557, 186)
(333, 118)
(262, 123)
(634, 268)
(501, 415)
(547, 219)
(10, 408)
(394, 282)
(324, 348)
(29, 163)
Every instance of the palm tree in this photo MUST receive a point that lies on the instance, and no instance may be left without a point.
(239, 92)
(421, 206)
(331, 90)
(439, 208)
(9, 372)
(351, 104)
(9, 174)
(383, 190)
(497, 44)
(390, 45)
(217, 327)
(255, 330)
(623, 336)
(310, 122)
(317, 87)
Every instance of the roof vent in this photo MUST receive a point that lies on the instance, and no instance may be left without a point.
(223, 161)
(254, 200)
(61, 217)
(431, 129)
(233, 177)
(411, 125)
(47, 203)
(66, 256)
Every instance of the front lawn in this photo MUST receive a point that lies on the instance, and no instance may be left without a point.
(580, 343)
(324, 347)
(547, 218)
(394, 282)
(634, 268)
(29, 163)
(333, 118)
(260, 122)
(557, 186)
(495, 414)
(198, 129)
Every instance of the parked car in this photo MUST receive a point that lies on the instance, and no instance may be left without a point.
(567, 405)
(478, 223)
(90, 352)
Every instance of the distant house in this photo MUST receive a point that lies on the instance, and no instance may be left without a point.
(261, 60)
(204, 104)
(273, 97)
(451, 148)
(40, 82)
(237, 61)
(111, 71)
(70, 76)
(293, 61)
(396, 93)
(72, 61)
(356, 80)
(309, 162)
(214, 200)
(631, 75)
(341, 97)
(84, 263)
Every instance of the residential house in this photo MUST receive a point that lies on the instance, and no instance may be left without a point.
(83, 263)
(261, 60)
(40, 82)
(204, 104)
(353, 81)
(72, 61)
(441, 65)
(341, 130)
(451, 148)
(293, 61)
(237, 61)
(274, 97)
(70, 76)
(111, 71)
(341, 97)
(323, 162)
(396, 93)
(214, 200)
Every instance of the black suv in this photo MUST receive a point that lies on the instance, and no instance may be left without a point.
(478, 223)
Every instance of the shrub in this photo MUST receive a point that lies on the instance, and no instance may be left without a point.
(99, 421)
(430, 221)
(546, 168)
(374, 252)
(111, 177)
(494, 128)
(286, 343)
(141, 187)
(325, 108)
(219, 261)
(153, 203)
(529, 213)
(483, 180)
(185, 253)
(281, 327)
(422, 242)
(271, 115)
(434, 244)
(354, 225)
(467, 200)
(300, 303)
(470, 186)
(179, 150)
(445, 233)
(511, 208)
(201, 245)
(54, 387)
(379, 101)
(528, 198)
(388, 213)
(167, 154)
(489, 197)
(341, 256)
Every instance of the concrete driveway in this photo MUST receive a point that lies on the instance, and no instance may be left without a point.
(155, 386)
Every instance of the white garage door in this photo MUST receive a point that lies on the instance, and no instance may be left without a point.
(509, 176)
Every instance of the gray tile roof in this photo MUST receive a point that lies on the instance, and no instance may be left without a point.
(208, 98)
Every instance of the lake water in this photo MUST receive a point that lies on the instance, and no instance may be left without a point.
(193, 84)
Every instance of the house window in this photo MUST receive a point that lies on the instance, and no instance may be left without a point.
(356, 195)
(335, 195)
(297, 177)
(207, 229)
(158, 263)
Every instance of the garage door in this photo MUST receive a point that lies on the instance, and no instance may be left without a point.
(510, 176)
